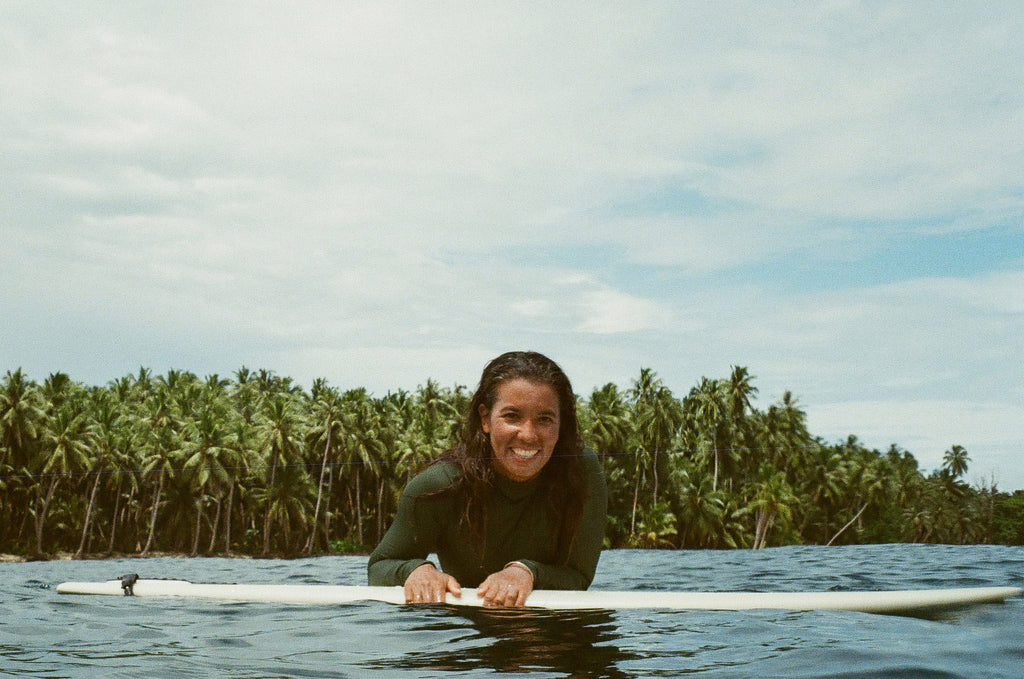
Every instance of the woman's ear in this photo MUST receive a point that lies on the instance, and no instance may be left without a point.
(485, 423)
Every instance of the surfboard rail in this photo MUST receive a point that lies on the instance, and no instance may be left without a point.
(878, 601)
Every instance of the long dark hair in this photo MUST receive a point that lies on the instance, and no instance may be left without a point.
(561, 478)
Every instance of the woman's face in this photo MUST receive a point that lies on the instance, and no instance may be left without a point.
(523, 427)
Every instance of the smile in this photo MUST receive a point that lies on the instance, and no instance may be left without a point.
(524, 454)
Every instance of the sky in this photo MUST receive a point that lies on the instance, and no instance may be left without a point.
(827, 193)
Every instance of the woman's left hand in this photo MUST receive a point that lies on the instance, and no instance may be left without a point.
(508, 587)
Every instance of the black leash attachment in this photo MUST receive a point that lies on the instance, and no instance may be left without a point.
(128, 583)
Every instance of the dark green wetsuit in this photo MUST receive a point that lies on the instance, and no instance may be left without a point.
(519, 524)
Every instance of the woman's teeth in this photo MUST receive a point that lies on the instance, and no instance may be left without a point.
(524, 454)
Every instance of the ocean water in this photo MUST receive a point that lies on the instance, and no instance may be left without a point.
(43, 634)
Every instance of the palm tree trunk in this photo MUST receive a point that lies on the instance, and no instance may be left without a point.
(319, 493)
(199, 519)
(138, 510)
(327, 507)
(41, 516)
(807, 514)
(113, 518)
(636, 496)
(266, 518)
(88, 516)
(216, 524)
(266, 531)
(152, 514)
(714, 479)
(351, 507)
(380, 510)
(359, 506)
(765, 519)
(848, 524)
(654, 469)
(227, 519)
(21, 526)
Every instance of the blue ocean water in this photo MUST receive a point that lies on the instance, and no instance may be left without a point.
(43, 634)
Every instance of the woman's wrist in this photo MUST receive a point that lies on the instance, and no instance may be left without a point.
(521, 566)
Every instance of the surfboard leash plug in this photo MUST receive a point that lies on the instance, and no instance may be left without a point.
(128, 583)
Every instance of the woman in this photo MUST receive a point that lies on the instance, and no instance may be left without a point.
(517, 505)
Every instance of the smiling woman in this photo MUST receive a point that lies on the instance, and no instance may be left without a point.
(516, 505)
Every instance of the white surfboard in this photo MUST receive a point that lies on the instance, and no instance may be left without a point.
(905, 602)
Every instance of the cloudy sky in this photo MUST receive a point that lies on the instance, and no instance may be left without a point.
(828, 193)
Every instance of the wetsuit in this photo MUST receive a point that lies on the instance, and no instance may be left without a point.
(519, 528)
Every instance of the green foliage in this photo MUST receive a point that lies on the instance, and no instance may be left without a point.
(1008, 518)
(656, 527)
(347, 546)
(256, 465)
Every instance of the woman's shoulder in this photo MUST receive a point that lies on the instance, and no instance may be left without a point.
(589, 461)
(436, 478)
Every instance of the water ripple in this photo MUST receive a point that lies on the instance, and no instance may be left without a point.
(43, 634)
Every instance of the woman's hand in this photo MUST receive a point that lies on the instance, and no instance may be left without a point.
(427, 585)
(508, 587)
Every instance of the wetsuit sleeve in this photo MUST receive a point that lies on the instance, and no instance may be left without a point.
(404, 548)
(578, 573)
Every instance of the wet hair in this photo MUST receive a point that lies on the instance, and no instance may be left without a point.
(561, 479)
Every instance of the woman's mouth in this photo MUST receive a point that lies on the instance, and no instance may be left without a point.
(523, 453)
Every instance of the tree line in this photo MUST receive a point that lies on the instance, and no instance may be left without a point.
(255, 464)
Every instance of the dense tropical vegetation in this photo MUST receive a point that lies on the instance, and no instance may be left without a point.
(257, 465)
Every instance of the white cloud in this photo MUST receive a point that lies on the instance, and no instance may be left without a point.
(939, 336)
(378, 191)
(609, 311)
(565, 303)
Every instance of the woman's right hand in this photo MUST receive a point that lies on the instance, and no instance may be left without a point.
(427, 585)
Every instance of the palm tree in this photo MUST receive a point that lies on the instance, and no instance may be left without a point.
(701, 512)
(56, 390)
(237, 462)
(326, 415)
(867, 482)
(392, 424)
(288, 504)
(774, 501)
(245, 396)
(126, 482)
(437, 416)
(955, 461)
(20, 415)
(825, 476)
(210, 455)
(65, 450)
(166, 460)
(359, 450)
(705, 409)
(107, 431)
(904, 483)
(606, 421)
(406, 431)
(606, 426)
(656, 528)
(280, 433)
(738, 392)
(160, 444)
(657, 418)
(785, 435)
